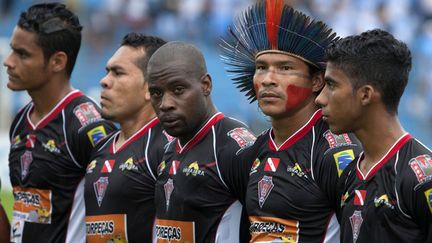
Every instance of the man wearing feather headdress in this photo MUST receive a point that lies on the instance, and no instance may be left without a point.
(277, 56)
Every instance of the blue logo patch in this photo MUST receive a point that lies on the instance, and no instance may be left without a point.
(342, 159)
(96, 134)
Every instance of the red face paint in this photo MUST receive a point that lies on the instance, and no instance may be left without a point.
(296, 95)
(256, 89)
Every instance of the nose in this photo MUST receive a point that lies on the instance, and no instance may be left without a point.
(321, 99)
(8, 61)
(167, 102)
(269, 78)
(105, 82)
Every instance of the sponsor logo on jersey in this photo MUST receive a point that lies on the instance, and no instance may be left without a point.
(96, 134)
(356, 222)
(296, 170)
(106, 228)
(108, 166)
(174, 167)
(193, 169)
(86, 113)
(335, 141)
(270, 229)
(271, 164)
(422, 167)
(174, 231)
(344, 197)
(342, 159)
(168, 188)
(100, 186)
(428, 195)
(265, 185)
(32, 205)
(255, 166)
(50, 145)
(383, 201)
(128, 165)
(360, 197)
(161, 167)
(243, 137)
(30, 140)
(91, 166)
(15, 141)
(26, 159)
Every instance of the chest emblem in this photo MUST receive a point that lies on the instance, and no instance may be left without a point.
(296, 170)
(174, 167)
(193, 169)
(265, 185)
(100, 186)
(30, 141)
(360, 197)
(356, 222)
(128, 165)
(168, 188)
(255, 166)
(26, 160)
(271, 164)
(108, 166)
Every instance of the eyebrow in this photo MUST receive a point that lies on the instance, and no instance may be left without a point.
(278, 63)
(113, 68)
(329, 80)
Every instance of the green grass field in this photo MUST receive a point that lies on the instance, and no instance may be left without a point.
(7, 201)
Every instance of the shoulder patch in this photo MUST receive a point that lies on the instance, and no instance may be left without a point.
(335, 141)
(428, 195)
(243, 137)
(422, 168)
(343, 159)
(87, 113)
(96, 134)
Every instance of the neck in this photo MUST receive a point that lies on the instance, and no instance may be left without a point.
(130, 126)
(207, 115)
(285, 127)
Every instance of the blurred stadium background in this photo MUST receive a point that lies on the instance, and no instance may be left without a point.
(202, 22)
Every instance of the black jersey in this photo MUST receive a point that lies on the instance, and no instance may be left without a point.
(291, 195)
(200, 185)
(393, 201)
(47, 163)
(119, 187)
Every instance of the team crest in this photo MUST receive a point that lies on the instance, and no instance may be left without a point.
(96, 134)
(343, 159)
(169, 188)
(265, 185)
(161, 167)
(193, 169)
(90, 167)
(356, 222)
(428, 195)
(30, 140)
(174, 167)
(422, 167)
(86, 113)
(255, 166)
(128, 165)
(337, 140)
(243, 137)
(26, 160)
(100, 187)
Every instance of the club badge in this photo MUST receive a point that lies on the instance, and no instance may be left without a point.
(265, 185)
(100, 187)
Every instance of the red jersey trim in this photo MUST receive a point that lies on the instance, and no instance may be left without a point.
(297, 135)
(200, 134)
(54, 112)
(390, 153)
(134, 137)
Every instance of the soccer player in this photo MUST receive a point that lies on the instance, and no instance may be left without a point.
(277, 56)
(200, 181)
(387, 191)
(120, 179)
(52, 136)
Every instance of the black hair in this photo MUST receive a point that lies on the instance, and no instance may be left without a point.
(149, 43)
(374, 58)
(57, 29)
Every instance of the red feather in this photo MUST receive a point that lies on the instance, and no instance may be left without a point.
(273, 18)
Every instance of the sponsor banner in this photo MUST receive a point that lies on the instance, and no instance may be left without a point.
(106, 228)
(172, 231)
(270, 229)
(32, 205)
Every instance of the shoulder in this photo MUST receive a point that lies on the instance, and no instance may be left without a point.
(234, 133)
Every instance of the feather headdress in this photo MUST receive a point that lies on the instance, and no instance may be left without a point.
(272, 26)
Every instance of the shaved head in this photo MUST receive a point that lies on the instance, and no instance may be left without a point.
(178, 56)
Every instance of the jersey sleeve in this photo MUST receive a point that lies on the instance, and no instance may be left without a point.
(84, 133)
(235, 160)
(330, 165)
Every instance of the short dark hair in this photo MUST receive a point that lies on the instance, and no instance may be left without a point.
(376, 58)
(149, 43)
(57, 29)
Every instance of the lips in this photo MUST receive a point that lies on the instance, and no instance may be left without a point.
(169, 120)
(268, 96)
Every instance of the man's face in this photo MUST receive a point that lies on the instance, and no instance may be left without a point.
(340, 106)
(282, 84)
(25, 65)
(124, 91)
(179, 99)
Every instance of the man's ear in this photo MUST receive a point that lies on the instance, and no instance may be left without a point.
(367, 94)
(58, 61)
(206, 84)
(146, 92)
(318, 82)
